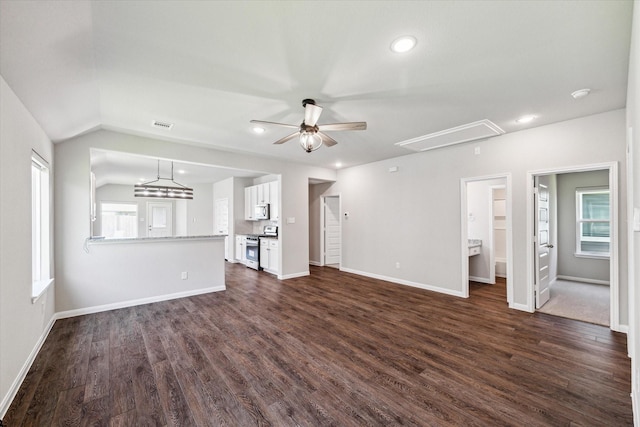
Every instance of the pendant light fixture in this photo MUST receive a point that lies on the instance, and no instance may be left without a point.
(155, 190)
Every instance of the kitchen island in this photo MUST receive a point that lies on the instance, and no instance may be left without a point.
(134, 271)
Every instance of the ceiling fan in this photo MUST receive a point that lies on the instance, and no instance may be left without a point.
(309, 131)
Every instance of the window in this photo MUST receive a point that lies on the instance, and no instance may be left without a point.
(119, 220)
(40, 224)
(593, 236)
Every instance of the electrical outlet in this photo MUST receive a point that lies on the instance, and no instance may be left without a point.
(184, 275)
(397, 264)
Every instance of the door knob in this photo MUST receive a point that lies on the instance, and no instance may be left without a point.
(549, 246)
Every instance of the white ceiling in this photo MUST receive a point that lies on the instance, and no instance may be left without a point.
(210, 67)
(112, 167)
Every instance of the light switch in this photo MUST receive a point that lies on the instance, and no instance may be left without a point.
(291, 220)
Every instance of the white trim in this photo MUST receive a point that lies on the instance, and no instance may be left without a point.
(614, 264)
(464, 243)
(39, 288)
(521, 307)
(315, 263)
(133, 303)
(293, 275)
(583, 280)
(482, 280)
(15, 386)
(406, 282)
(592, 255)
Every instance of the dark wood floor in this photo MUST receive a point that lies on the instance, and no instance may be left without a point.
(329, 349)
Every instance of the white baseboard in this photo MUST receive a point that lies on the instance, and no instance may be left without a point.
(634, 408)
(521, 307)
(405, 282)
(13, 390)
(293, 275)
(132, 303)
(316, 263)
(583, 280)
(622, 328)
(481, 280)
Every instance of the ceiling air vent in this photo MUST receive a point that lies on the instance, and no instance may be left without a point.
(481, 129)
(162, 125)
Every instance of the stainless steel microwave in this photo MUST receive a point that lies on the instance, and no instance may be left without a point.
(262, 211)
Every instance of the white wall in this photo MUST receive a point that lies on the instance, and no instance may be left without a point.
(200, 211)
(22, 324)
(569, 265)
(414, 213)
(120, 274)
(74, 289)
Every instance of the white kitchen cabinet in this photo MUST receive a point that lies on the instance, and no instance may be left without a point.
(274, 200)
(264, 254)
(241, 245)
(274, 256)
(259, 194)
(269, 255)
(250, 202)
(262, 193)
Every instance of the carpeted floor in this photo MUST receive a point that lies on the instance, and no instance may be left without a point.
(580, 301)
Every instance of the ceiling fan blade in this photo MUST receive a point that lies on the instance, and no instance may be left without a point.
(287, 138)
(345, 126)
(262, 122)
(327, 140)
(311, 114)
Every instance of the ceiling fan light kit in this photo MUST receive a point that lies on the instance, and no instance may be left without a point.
(309, 131)
(175, 191)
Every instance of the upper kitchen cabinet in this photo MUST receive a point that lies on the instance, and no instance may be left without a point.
(250, 202)
(263, 193)
(267, 193)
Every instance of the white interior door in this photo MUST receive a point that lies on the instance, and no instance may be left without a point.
(332, 230)
(542, 243)
(160, 219)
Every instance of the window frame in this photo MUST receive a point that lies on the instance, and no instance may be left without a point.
(41, 275)
(137, 216)
(579, 221)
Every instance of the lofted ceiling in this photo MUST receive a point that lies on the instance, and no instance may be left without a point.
(209, 67)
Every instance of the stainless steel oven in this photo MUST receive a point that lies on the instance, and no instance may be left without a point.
(252, 250)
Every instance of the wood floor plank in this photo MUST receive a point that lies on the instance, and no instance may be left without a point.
(330, 349)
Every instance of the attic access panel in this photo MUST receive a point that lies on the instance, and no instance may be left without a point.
(481, 129)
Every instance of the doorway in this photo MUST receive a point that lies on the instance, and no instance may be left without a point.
(579, 240)
(332, 232)
(160, 219)
(486, 232)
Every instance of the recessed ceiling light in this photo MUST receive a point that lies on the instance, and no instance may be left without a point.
(258, 129)
(526, 119)
(581, 93)
(181, 171)
(338, 165)
(403, 44)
